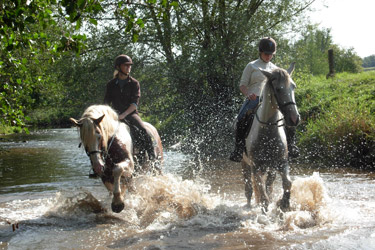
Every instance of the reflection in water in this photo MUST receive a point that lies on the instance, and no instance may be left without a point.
(45, 188)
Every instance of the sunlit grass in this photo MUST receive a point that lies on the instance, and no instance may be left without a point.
(338, 118)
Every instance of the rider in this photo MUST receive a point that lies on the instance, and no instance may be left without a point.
(123, 93)
(251, 85)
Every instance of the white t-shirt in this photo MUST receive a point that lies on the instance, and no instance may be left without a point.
(252, 78)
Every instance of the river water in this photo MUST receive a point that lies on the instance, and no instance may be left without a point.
(47, 201)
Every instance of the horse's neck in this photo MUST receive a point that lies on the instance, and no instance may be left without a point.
(123, 134)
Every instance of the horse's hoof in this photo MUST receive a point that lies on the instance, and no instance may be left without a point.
(117, 208)
(247, 206)
(283, 205)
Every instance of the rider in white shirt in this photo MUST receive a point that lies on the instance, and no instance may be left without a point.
(251, 85)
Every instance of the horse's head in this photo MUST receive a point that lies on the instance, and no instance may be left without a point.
(91, 134)
(282, 86)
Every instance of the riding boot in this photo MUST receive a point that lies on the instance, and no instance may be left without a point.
(293, 150)
(239, 147)
(242, 130)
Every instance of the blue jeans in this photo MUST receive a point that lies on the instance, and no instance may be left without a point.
(246, 106)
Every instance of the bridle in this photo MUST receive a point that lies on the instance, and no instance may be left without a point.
(279, 107)
(103, 153)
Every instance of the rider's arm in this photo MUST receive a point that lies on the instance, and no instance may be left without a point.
(245, 80)
(131, 109)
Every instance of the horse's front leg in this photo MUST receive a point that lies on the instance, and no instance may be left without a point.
(122, 169)
(284, 203)
(260, 186)
(271, 176)
(246, 170)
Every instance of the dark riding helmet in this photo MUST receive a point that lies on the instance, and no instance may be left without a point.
(123, 59)
(267, 45)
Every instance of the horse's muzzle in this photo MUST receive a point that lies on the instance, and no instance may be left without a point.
(293, 120)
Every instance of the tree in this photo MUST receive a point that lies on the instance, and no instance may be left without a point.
(205, 46)
(369, 61)
(346, 60)
(33, 33)
(310, 51)
(196, 51)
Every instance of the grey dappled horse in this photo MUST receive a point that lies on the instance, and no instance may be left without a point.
(266, 144)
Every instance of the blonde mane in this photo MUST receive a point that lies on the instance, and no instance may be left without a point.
(107, 126)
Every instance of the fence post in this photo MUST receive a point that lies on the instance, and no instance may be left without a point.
(331, 64)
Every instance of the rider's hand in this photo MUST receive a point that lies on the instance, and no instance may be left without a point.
(252, 96)
(122, 116)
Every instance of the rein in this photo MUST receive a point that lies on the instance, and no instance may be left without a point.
(270, 123)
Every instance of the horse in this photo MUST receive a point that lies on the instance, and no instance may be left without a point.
(109, 145)
(266, 145)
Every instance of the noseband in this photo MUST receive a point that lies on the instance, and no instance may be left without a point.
(102, 152)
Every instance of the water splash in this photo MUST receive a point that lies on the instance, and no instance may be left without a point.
(160, 200)
(309, 204)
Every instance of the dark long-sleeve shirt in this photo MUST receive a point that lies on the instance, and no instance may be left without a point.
(120, 98)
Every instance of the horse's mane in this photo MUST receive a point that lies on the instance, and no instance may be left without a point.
(107, 126)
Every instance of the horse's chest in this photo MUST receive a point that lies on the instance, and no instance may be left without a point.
(267, 146)
(117, 152)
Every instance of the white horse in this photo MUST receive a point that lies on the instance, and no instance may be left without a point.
(109, 145)
(266, 144)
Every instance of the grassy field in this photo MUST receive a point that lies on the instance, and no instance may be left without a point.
(338, 122)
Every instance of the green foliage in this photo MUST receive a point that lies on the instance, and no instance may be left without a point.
(369, 61)
(310, 52)
(338, 122)
(346, 60)
(29, 42)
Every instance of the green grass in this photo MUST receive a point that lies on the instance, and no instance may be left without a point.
(338, 122)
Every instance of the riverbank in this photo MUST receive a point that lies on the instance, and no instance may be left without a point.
(338, 122)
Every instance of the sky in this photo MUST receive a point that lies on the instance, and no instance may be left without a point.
(352, 23)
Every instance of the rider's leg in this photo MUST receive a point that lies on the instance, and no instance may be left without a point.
(239, 147)
(293, 150)
(244, 122)
(147, 144)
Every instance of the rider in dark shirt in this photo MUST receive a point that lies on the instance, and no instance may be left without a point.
(123, 93)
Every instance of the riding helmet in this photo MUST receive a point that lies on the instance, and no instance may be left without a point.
(123, 59)
(267, 45)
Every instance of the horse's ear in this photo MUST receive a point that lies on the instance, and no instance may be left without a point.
(291, 68)
(266, 73)
(75, 122)
(98, 120)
